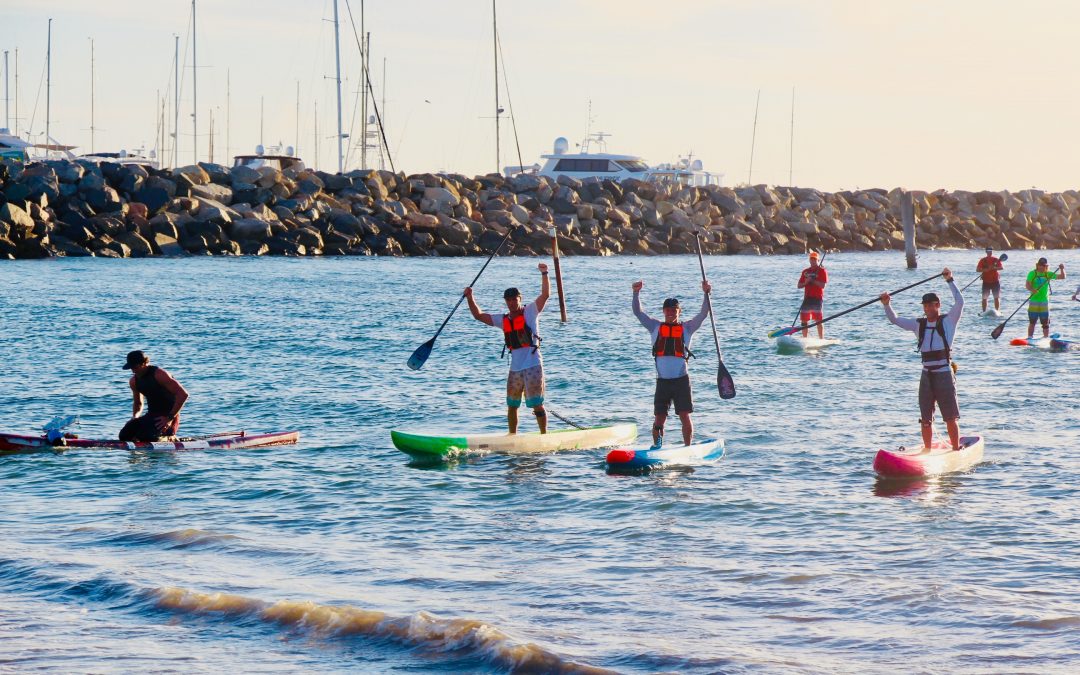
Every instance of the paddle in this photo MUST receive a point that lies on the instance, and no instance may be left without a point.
(996, 333)
(798, 312)
(416, 361)
(724, 383)
(789, 331)
(1003, 258)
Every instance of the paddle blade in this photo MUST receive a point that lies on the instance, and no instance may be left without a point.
(416, 361)
(724, 383)
(996, 333)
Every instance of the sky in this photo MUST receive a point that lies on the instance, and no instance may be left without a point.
(920, 94)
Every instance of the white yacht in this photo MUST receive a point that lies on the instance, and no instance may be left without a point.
(138, 156)
(606, 165)
(279, 158)
(20, 150)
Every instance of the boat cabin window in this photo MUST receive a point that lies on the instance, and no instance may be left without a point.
(633, 165)
(591, 165)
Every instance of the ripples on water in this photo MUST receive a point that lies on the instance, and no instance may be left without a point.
(337, 555)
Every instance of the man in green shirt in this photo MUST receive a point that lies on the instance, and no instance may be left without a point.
(1038, 284)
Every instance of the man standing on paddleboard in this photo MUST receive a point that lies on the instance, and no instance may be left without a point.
(164, 399)
(520, 327)
(671, 349)
(990, 268)
(938, 383)
(812, 281)
(1038, 284)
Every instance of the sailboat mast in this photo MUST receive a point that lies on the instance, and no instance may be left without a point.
(176, 101)
(91, 95)
(16, 92)
(262, 117)
(296, 150)
(495, 50)
(48, 86)
(7, 111)
(791, 142)
(363, 88)
(228, 114)
(194, 92)
(337, 60)
(753, 139)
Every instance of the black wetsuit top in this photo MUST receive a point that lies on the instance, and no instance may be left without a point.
(159, 400)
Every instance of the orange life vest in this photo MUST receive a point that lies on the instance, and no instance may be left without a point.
(669, 341)
(517, 333)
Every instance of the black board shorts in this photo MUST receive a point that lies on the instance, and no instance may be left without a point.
(675, 390)
(938, 387)
(991, 287)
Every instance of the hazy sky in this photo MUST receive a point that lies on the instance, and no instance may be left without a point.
(974, 94)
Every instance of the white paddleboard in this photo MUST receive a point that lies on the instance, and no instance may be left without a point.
(798, 343)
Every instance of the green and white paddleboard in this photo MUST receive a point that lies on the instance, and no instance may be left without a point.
(446, 446)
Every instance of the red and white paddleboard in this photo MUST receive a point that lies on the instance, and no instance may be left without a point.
(939, 458)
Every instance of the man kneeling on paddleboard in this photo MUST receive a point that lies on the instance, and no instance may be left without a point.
(671, 349)
(164, 398)
(935, 334)
(520, 327)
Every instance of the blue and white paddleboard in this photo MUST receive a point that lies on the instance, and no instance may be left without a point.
(631, 460)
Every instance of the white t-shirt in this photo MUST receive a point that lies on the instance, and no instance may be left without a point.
(523, 358)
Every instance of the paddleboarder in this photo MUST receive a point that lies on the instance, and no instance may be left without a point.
(521, 335)
(164, 398)
(990, 268)
(935, 333)
(671, 350)
(1038, 284)
(812, 281)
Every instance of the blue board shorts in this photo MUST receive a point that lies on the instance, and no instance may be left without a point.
(1039, 312)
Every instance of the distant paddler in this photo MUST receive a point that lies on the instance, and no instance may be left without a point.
(990, 268)
(671, 351)
(164, 399)
(935, 333)
(1038, 284)
(812, 281)
(521, 335)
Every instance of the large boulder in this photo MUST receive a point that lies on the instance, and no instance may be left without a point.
(250, 229)
(193, 173)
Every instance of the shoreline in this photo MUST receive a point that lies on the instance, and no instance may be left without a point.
(81, 208)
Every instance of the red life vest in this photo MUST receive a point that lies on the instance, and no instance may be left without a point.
(669, 341)
(516, 332)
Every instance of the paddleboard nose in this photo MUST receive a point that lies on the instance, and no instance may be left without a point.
(620, 456)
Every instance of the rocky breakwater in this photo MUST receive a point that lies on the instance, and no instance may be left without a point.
(83, 208)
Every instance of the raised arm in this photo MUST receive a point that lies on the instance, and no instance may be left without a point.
(958, 298)
(475, 310)
(907, 324)
(695, 323)
(644, 318)
(545, 287)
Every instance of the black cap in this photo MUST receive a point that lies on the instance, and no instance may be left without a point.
(511, 293)
(671, 302)
(930, 297)
(135, 358)
(1043, 261)
(989, 249)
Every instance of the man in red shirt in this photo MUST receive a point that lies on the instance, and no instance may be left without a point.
(812, 281)
(990, 267)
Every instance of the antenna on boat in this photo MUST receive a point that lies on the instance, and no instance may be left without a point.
(791, 142)
(753, 139)
(298, 117)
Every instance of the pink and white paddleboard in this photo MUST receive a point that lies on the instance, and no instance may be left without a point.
(939, 458)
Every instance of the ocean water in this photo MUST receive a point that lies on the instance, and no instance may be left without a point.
(338, 555)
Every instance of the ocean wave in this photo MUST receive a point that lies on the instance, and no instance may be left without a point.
(418, 630)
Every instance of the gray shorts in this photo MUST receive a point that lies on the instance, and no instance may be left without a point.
(938, 387)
